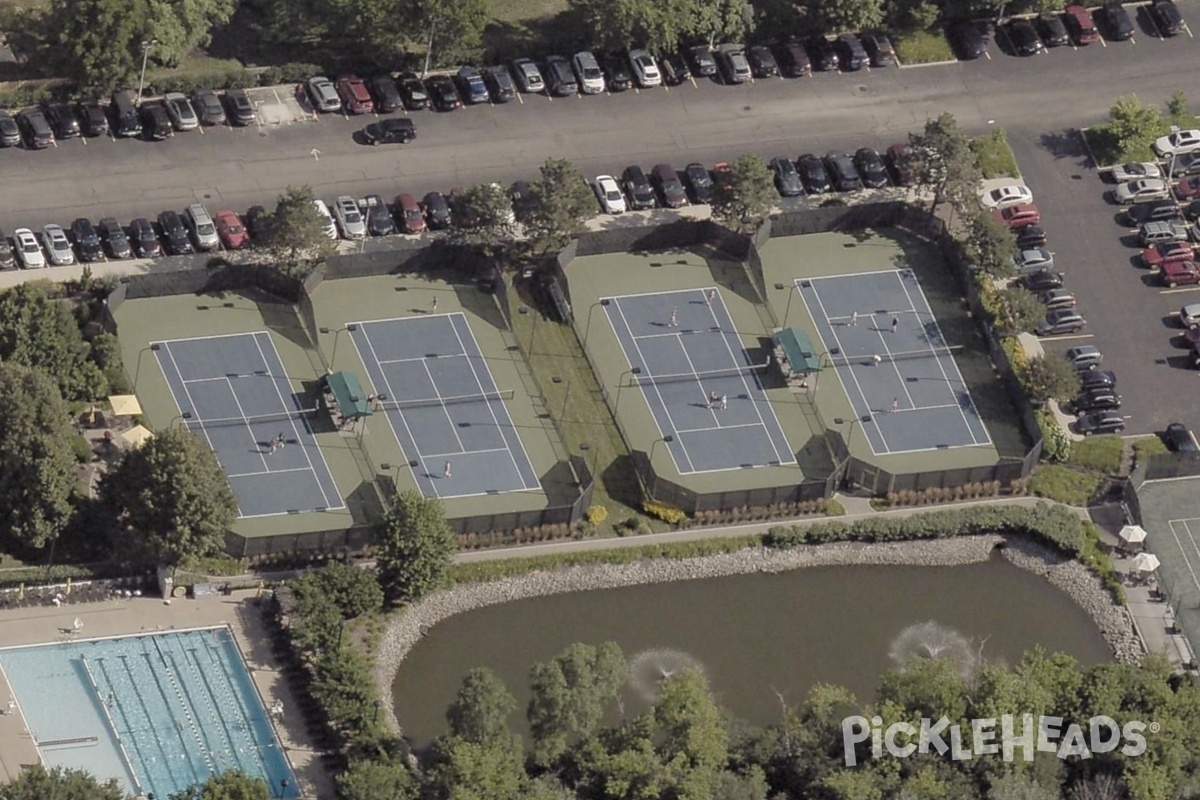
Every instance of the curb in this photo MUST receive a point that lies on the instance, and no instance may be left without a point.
(927, 64)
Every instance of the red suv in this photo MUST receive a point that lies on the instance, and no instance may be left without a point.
(409, 211)
(1159, 254)
(355, 97)
(1178, 273)
(1019, 216)
(1081, 25)
(231, 230)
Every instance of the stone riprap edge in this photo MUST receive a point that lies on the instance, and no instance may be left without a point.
(1080, 584)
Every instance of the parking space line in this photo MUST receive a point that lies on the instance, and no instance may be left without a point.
(1067, 336)
(1180, 291)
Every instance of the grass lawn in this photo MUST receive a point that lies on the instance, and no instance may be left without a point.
(996, 158)
(1148, 446)
(1064, 484)
(922, 47)
(1098, 453)
(523, 27)
(1107, 152)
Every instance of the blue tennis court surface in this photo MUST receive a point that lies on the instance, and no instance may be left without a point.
(702, 386)
(234, 392)
(439, 396)
(913, 398)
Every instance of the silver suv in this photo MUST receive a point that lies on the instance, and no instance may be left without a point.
(1151, 233)
(200, 222)
(587, 71)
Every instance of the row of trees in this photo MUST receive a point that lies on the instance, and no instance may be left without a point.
(36, 782)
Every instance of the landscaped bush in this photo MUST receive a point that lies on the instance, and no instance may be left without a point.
(996, 158)
(922, 47)
(1098, 453)
(1066, 485)
(834, 509)
(293, 72)
(666, 513)
(597, 514)
(1056, 445)
(82, 449)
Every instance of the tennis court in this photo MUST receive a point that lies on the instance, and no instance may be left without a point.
(233, 391)
(443, 405)
(888, 351)
(702, 386)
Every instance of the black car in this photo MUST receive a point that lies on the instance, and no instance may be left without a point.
(880, 49)
(145, 240)
(841, 168)
(560, 78)
(95, 121)
(1023, 38)
(443, 93)
(437, 210)
(10, 132)
(1098, 399)
(240, 109)
(1154, 211)
(87, 240)
(787, 179)
(703, 63)
(1098, 379)
(1030, 237)
(257, 221)
(637, 187)
(616, 72)
(812, 172)
(871, 168)
(902, 164)
(699, 182)
(822, 54)
(499, 83)
(1116, 22)
(852, 54)
(114, 238)
(62, 120)
(156, 122)
(1052, 30)
(208, 107)
(35, 129)
(1100, 422)
(471, 85)
(793, 59)
(175, 234)
(379, 217)
(385, 94)
(675, 69)
(125, 114)
(413, 92)
(762, 61)
(399, 130)
(1179, 439)
(1042, 280)
(1166, 17)
(670, 188)
(8, 259)
(968, 41)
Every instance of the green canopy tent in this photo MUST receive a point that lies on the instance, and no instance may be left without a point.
(798, 351)
(352, 402)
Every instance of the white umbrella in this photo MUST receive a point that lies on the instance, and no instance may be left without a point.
(1132, 534)
(1145, 562)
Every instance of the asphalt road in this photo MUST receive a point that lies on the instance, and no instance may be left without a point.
(237, 168)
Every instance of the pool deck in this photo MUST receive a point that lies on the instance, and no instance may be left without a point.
(40, 625)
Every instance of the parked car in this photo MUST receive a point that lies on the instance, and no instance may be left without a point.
(442, 93)
(8, 257)
(202, 227)
(1179, 438)
(125, 114)
(1019, 216)
(1189, 316)
(208, 106)
(408, 210)
(968, 41)
(230, 229)
(1061, 321)
(1167, 17)
(471, 86)
(437, 210)
(1084, 357)
(587, 72)
(95, 120)
(114, 238)
(616, 72)
(397, 130)
(1179, 273)
(1012, 194)
(900, 160)
(793, 59)
(1097, 379)
(699, 182)
(156, 122)
(499, 83)
(1058, 298)
(675, 69)
(1030, 236)
(87, 240)
(379, 217)
(1163, 232)
(821, 54)
(787, 178)
(1136, 170)
(1081, 25)
(328, 223)
(1100, 422)
(1033, 260)
(733, 65)
(529, 77)
(670, 188)
(853, 55)
(1156, 255)
(10, 132)
(1116, 21)
(62, 120)
(1097, 399)
(57, 245)
(1052, 30)
(870, 167)
(145, 239)
(1188, 188)
(703, 63)
(609, 194)
(637, 188)
(349, 218)
(1023, 38)
(323, 94)
(384, 93)
(645, 71)
(880, 49)
(183, 116)
(1142, 190)
(29, 252)
(1042, 280)
(812, 171)
(559, 77)
(762, 61)
(414, 93)
(841, 168)
(240, 108)
(1156, 211)
(1185, 164)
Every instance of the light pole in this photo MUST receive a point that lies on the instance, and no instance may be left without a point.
(787, 311)
(631, 372)
(146, 45)
(667, 439)
(186, 415)
(584, 447)
(336, 334)
(587, 326)
(566, 395)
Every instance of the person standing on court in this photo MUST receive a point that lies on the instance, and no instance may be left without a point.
(280, 440)
(433, 305)
(895, 323)
(712, 295)
(854, 320)
(673, 322)
(446, 470)
(877, 359)
(895, 405)
(724, 402)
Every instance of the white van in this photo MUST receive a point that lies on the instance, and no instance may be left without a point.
(202, 227)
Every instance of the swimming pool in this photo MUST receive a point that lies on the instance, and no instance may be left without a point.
(159, 712)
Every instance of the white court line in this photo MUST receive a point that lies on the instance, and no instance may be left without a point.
(896, 367)
(206, 338)
(789, 459)
(445, 410)
(926, 408)
(423, 358)
(721, 428)
(699, 384)
(468, 452)
(209, 380)
(269, 472)
(495, 387)
(246, 422)
(660, 335)
(406, 320)
(618, 298)
(942, 367)
(666, 410)
(1187, 561)
(852, 275)
(296, 430)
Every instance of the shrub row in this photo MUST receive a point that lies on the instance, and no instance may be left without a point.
(58, 573)
(663, 511)
(731, 516)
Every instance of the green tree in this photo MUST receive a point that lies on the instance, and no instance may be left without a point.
(745, 194)
(1051, 377)
(171, 497)
(451, 29)
(570, 693)
(179, 27)
(619, 763)
(376, 779)
(990, 244)
(349, 589)
(96, 43)
(1132, 124)
(37, 473)
(230, 785)
(415, 547)
(1177, 104)
(481, 708)
(613, 24)
(482, 216)
(35, 782)
(1018, 311)
(913, 15)
(693, 743)
(561, 203)
(39, 331)
(295, 231)
(851, 15)
(1021, 787)
(463, 770)
(717, 20)
(943, 160)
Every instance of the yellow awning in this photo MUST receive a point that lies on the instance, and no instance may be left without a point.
(137, 435)
(125, 405)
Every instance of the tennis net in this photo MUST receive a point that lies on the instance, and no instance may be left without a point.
(306, 414)
(755, 371)
(887, 358)
(452, 400)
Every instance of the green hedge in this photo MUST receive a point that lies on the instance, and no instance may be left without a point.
(58, 573)
(1099, 453)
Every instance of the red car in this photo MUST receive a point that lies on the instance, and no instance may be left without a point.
(1179, 273)
(410, 213)
(355, 97)
(1081, 25)
(231, 230)
(1019, 216)
(1159, 254)
(1188, 188)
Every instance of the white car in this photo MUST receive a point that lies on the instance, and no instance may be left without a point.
(349, 218)
(28, 249)
(183, 116)
(1013, 194)
(611, 199)
(1033, 260)
(645, 71)
(529, 77)
(1174, 144)
(1188, 315)
(587, 71)
(326, 219)
(1135, 170)
(58, 246)
(1142, 190)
